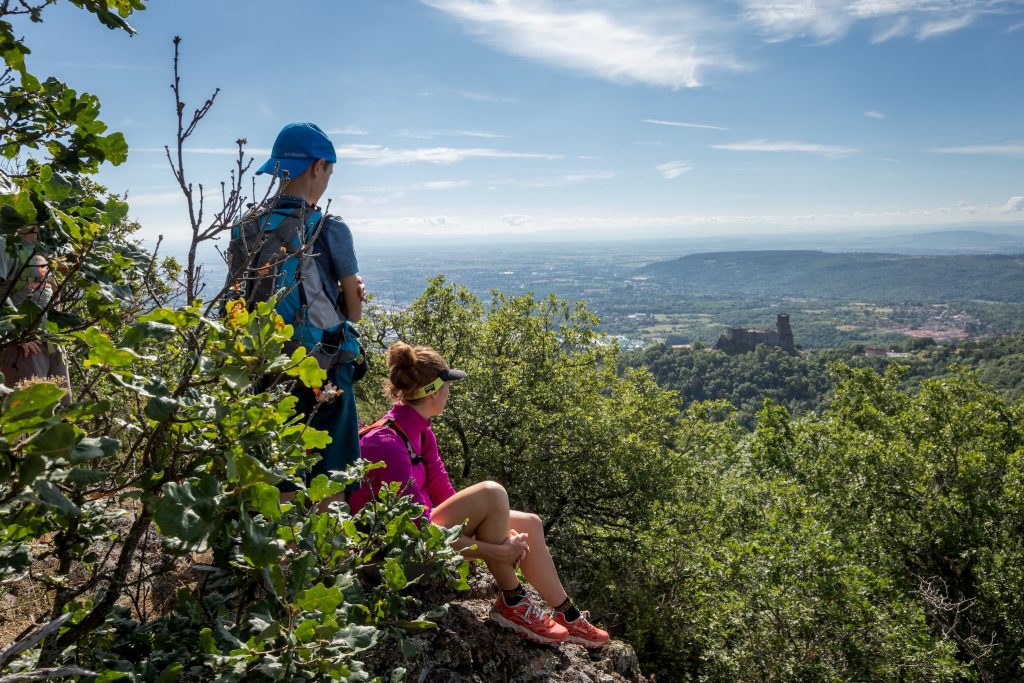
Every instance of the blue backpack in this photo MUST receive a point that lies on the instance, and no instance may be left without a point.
(279, 248)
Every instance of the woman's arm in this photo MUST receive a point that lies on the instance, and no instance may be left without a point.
(439, 485)
(511, 551)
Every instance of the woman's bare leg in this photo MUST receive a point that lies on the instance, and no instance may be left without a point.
(538, 567)
(485, 506)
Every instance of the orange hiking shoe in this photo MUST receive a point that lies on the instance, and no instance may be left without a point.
(582, 632)
(529, 621)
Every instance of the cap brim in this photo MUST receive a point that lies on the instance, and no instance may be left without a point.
(293, 167)
(451, 374)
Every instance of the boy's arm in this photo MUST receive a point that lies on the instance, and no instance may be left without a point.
(346, 268)
(352, 289)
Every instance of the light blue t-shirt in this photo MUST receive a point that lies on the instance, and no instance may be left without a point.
(339, 242)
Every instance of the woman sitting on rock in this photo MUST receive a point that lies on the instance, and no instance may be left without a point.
(418, 383)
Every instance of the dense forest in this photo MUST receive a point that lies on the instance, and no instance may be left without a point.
(871, 533)
(805, 383)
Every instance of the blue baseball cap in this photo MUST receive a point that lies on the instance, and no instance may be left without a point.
(297, 146)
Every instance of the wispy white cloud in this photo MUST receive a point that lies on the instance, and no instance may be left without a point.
(959, 211)
(441, 184)
(485, 97)
(674, 169)
(823, 20)
(448, 132)
(395, 191)
(515, 219)
(378, 155)
(933, 29)
(683, 124)
(573, 178)
(829, 20)
(831, 151)
(347, 130)
(474, 134)
(889, 31)
(874, 114)
(1014, 149)
(1014, 204)
(366, 200)
(553, 181)
(955, 213)
(1015, 27)
(628, 47)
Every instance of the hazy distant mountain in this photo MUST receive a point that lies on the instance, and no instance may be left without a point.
(1005, 238)
(868, 276)
(946, 241)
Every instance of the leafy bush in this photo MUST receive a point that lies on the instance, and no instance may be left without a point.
(183, 424)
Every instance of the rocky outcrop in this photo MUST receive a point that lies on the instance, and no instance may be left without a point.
(468, 648)
(743, 339)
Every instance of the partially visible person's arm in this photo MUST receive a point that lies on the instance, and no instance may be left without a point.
(352, 293)
(511, 551)
(28, 348)
(439, 485)
(345, 265)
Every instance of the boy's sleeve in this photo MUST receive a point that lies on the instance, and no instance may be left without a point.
(339, 240)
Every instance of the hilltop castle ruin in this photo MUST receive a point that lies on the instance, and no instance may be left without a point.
(744, 339)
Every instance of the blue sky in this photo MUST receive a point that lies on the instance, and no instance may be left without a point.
(602, 117)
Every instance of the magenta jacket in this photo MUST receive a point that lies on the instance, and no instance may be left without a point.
(427, 481)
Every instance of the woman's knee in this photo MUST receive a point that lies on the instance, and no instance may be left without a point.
(494, 491)
(530, 523)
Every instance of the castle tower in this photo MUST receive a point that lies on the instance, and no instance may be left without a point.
(785, 334)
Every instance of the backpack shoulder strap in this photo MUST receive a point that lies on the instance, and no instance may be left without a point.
(366, 429)
(397, 429)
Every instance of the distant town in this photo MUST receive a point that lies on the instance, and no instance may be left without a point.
(639, 308)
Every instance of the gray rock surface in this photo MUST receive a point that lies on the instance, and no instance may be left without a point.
(468, 648)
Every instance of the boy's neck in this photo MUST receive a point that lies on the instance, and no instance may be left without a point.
(297, 188)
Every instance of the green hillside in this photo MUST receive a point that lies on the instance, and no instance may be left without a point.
(805, 383)
(874, 277)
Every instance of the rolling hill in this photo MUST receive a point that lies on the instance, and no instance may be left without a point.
(849, 276)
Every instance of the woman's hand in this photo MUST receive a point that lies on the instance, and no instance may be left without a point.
(515, 547)
(510, 551)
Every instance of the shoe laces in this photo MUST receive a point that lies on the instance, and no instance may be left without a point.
(534, 614)
(582, 622)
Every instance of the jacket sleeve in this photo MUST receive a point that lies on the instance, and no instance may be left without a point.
(439, 486)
